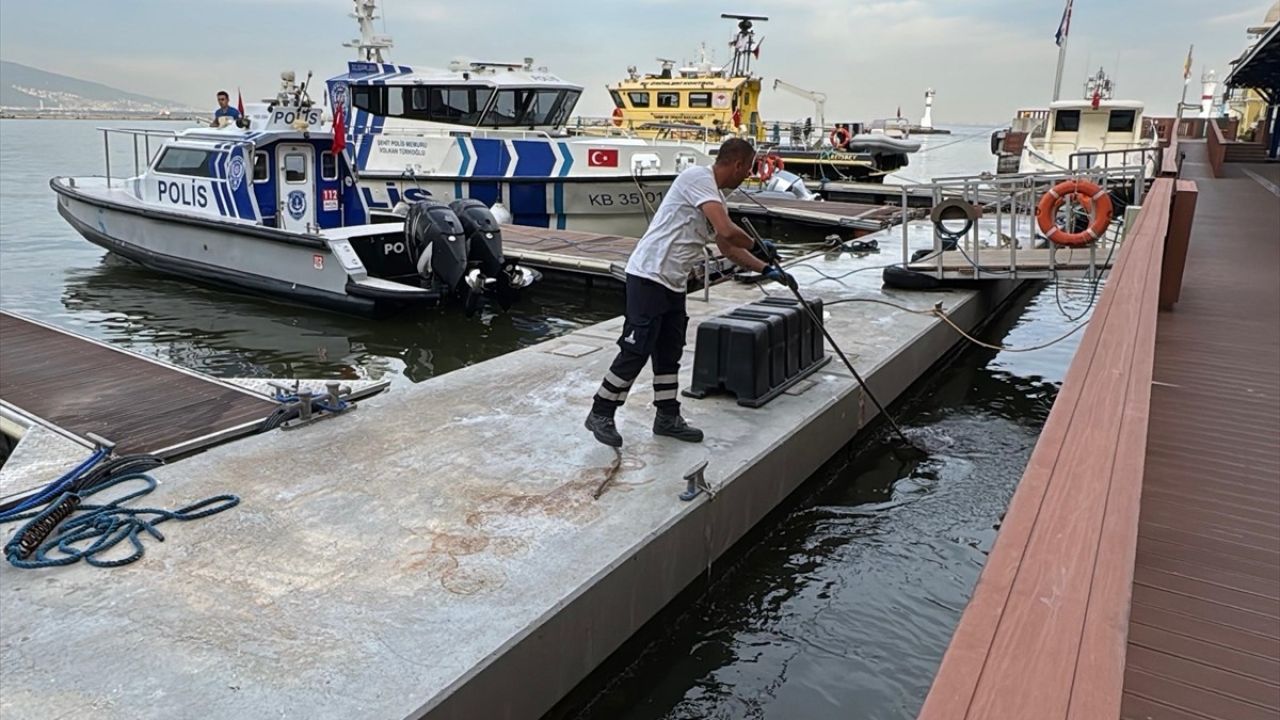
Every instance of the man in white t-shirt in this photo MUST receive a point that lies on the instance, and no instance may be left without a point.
(691, 216)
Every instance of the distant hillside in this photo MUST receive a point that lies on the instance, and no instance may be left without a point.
(22, 86)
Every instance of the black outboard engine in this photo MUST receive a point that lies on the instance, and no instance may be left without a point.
(493, 271)
(438, 244)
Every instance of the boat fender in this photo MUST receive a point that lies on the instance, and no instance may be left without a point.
(1094, 199)
(896, 276)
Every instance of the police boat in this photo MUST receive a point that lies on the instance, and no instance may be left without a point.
(497, 132)
(270, 204)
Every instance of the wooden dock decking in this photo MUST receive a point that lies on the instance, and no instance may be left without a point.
(1204, 629)
(582, 253)
(83, 386)
(858, 217)
(1137, 571)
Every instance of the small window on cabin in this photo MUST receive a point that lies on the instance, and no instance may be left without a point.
(1121, 121)
(1066, 121)
(395, 102)
(668, 100)
(185, 161)
(328, 166)
(638, 99)
(372, 99)
(261, 167)
(295, 168)
(616, 97)
(699, 99)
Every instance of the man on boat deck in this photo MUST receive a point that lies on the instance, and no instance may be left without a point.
(691, 216)
(224, 110)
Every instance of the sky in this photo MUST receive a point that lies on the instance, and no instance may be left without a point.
(984, 58)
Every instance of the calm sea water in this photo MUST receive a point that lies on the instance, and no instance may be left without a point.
(843, 602)
(839, 606)
(49, 272)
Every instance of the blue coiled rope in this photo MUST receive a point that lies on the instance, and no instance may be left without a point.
(101, 527)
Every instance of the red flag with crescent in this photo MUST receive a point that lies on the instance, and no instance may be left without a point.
(339, 127)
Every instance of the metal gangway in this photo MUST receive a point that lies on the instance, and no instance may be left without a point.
(984, 227)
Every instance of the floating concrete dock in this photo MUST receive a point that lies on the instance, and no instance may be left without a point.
(439, 553)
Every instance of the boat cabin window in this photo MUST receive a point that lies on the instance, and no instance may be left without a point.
(1066, 121)
(295, 168)
(328, 166)
(186, 161)
(459, 105)
(638, 99)
(668, 100)
(1121, 121)
(530, 107)
(699, 99)
(261, 167)
(372, 99)
(616, 97)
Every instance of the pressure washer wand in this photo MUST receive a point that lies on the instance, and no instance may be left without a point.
(777, 262)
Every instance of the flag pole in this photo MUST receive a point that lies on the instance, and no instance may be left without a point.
(1057, 79)
(1064, 30)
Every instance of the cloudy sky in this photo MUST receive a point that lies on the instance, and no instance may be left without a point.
(985, 58)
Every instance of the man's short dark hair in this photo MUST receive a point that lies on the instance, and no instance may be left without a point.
(224, 93)
(735, 150)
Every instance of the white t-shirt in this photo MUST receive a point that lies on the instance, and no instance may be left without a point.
(674, 242)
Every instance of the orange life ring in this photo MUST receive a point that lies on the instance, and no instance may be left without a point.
(767, 166)
(617, 117)
(840, 138)
(1095, 201)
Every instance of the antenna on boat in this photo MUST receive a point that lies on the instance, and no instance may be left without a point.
(744, 44)
(368, 46)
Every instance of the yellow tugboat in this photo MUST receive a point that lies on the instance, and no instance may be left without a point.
(703, 102)
(699, 101)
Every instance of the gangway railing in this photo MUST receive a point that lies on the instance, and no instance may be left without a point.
(1006, 206)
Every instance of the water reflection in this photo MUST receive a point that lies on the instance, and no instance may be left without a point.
(231, 335)
(843, 605)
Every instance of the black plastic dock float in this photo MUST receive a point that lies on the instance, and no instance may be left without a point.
(82, 386)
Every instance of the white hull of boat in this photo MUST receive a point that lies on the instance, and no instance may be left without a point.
(307, 269)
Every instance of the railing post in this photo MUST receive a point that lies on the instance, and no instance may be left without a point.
(106, 151)
(1177, 242)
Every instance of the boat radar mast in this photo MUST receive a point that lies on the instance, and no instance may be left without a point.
(368, 46)
(744, 44)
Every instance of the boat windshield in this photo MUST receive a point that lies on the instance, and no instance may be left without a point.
(469, 105)
(530, 107)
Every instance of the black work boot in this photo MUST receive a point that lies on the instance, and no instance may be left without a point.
(675, 426)
(603, 428)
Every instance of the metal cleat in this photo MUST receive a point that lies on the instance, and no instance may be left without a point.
(696, 483)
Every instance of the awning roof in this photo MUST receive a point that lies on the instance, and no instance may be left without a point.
(1259, 67)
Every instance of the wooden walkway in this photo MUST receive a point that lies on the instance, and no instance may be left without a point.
(1204, 632)
(582, 253)
(857, 217)
(1137, 571)
(144, 406)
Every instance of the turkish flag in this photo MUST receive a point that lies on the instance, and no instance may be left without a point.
(339, 127)
(602, 158)
(239, 102)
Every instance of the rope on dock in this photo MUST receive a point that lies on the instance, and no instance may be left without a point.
(102, 527)
(609, 475)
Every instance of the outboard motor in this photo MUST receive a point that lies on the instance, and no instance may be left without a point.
(490, 270)
(436, 240)
(783, 181)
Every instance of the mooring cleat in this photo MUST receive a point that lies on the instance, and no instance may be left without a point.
(696, 483)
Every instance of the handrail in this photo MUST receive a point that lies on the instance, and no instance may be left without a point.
(1045, 632)
(1216, 146)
